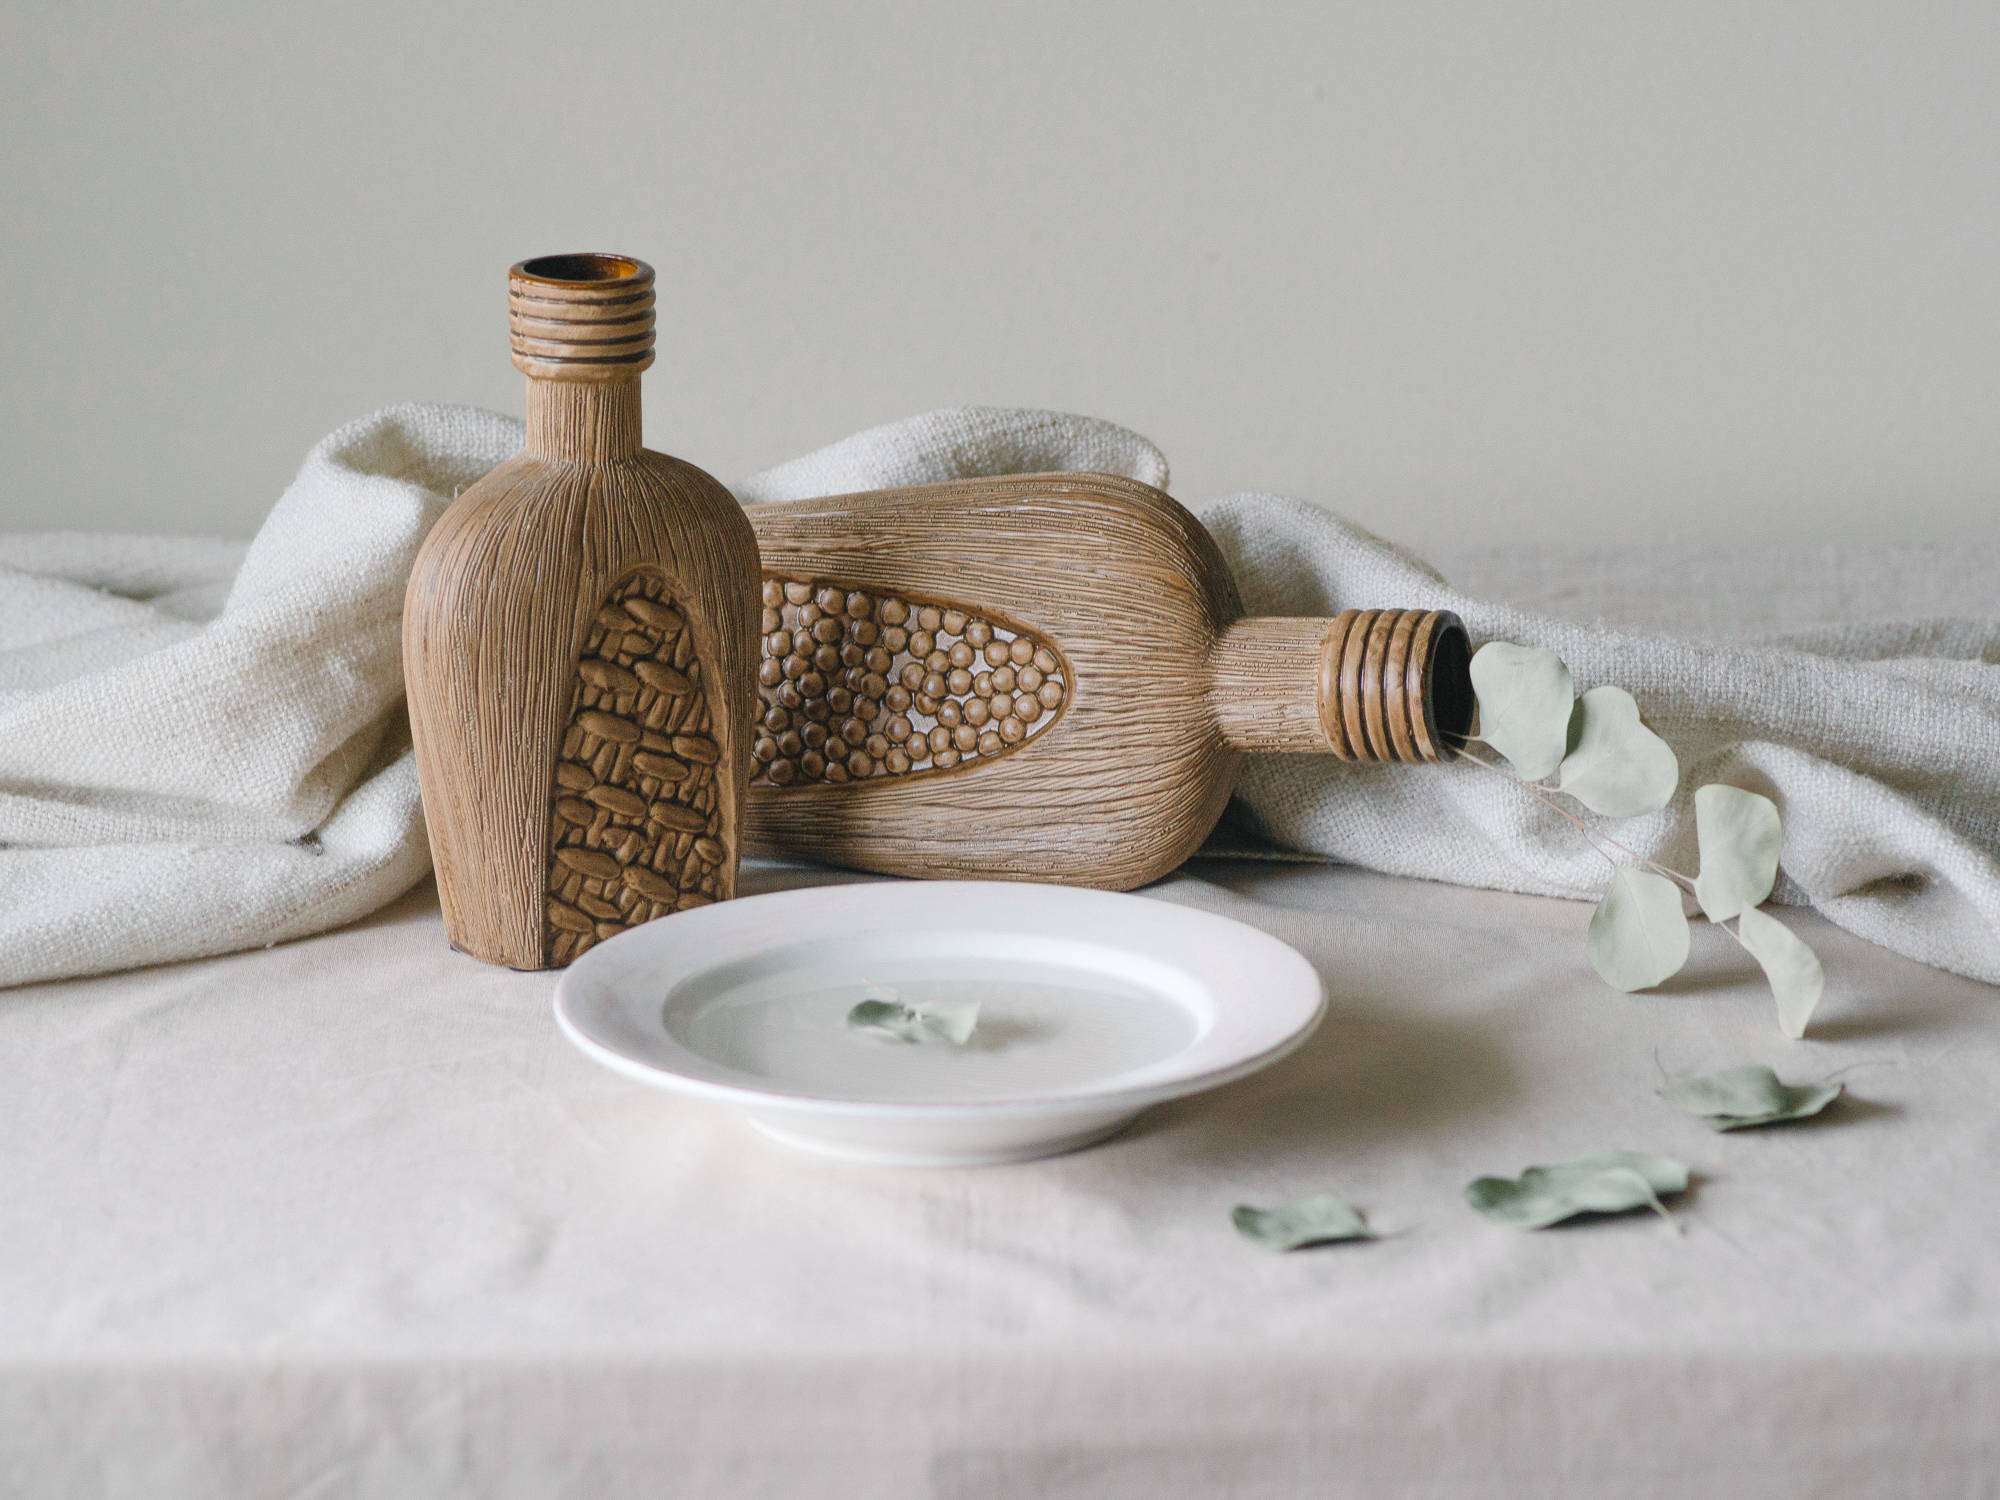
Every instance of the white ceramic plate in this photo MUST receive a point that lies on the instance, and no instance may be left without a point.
(1093, 1006)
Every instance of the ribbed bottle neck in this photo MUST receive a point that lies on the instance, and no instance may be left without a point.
(581, 317)
(1364, 685)
(581, 329)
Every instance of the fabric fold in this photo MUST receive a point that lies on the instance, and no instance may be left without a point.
(202, 746)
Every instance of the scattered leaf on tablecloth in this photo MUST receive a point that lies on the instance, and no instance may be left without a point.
(930, 1021)
(1791, 967)
(1619, 767)
(1311, 1221)
(1739, 837)
(1639, 933)
(1609, 1182)
(1525, 696)
(1737, 1098)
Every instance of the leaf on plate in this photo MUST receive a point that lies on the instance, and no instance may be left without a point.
(1525, 695)
(1609, 1182)
(1638, 934)
(1738, 1098)
(1311, 1221)
(1739, 837)
(1619, 767)
(927, 1021)
(1792, 968)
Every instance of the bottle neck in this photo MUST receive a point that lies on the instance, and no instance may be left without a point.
(581, 330)
(583, 421)
(1367, 684)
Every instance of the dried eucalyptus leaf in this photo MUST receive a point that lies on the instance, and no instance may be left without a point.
(928, 1021)
(1638, 934)
(1619, 767)
(1609, 1182)
(1311, 1221)
(1525, 695)
(1792, 968)
(1738, 1098)
(1739, 837)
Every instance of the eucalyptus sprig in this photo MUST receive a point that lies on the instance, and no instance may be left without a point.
(1599, 753)
(886, 1014)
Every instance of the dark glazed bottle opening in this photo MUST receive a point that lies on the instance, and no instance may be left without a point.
(582, 270)
(1448, 676)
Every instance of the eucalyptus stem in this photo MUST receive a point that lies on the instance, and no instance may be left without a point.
(1542, 795)
(1596, 752)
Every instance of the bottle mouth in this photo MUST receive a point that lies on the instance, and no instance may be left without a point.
(582, 270)
(581, 317)
(1395, 685)
(1448, 704)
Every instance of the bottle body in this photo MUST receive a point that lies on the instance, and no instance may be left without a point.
(579, 648)
(1035, 677)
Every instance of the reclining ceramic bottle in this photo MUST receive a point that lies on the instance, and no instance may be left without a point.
(580, 648)
(1048, 677)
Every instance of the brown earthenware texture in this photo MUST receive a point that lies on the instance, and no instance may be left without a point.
(634, 827)
(859, 684)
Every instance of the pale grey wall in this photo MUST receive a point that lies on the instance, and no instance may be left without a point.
(1599, 269)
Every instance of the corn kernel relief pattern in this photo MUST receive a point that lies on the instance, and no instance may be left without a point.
(858, 685)
(634, 830)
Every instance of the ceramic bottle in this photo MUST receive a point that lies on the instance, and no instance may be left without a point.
(580, 649)
(1049, 677)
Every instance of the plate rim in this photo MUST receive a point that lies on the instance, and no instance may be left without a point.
(565, 1004)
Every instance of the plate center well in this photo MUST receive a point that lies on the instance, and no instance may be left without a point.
(1054, 1015)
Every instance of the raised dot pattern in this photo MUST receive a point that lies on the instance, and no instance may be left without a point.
(634, 828)
(858, 685)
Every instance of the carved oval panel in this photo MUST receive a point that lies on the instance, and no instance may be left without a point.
(635, 828)
(859, 685)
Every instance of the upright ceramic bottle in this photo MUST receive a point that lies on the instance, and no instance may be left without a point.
(1049, 677)
(580, 644)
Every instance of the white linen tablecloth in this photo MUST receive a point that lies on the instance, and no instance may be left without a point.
(347, 1218)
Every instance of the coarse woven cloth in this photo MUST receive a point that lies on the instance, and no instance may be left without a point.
(202, 747)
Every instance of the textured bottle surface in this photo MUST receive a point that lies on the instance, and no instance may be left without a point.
(857, 684)
(998, 678)
(637, 826)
